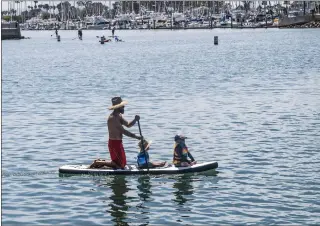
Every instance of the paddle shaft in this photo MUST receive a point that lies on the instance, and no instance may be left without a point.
(142, 144)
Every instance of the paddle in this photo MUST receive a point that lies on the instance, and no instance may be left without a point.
(144, 151)
(54, 34)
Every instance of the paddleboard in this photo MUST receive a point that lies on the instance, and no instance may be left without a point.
(133, 169)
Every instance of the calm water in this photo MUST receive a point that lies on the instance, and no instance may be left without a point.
(252, 103)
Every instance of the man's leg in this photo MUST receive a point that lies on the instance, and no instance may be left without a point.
(123, 159)
(117, 154)
(115, 165)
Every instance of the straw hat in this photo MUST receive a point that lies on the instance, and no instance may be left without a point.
(146, 144)
(117, 102)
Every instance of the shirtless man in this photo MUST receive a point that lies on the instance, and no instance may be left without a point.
(116, 131)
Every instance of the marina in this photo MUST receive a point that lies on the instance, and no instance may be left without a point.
(100, 15)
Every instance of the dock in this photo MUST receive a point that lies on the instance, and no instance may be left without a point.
(10, 30)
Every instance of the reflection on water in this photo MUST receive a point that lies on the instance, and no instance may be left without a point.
(184, 188)
(144, 192)
(144, 187)
(119, 206)
(120, 200)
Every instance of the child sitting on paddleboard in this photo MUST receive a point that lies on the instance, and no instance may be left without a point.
(143, 156)
(181, 152)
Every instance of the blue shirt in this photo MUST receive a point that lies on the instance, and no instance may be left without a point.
(141, 159)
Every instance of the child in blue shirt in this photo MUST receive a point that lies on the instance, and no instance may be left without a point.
(143, 156)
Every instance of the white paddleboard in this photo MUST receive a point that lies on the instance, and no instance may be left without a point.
(133, 169)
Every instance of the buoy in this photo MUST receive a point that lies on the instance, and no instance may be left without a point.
(102, 40)
(58, 38)
(216, 40)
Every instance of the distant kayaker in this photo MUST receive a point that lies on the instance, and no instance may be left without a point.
(143, 156)
(113, 29)
(181, 152)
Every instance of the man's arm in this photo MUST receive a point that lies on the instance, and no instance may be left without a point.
(191, 157)
(129, 124)
(129, 134)
(126, 132)
(182, 154)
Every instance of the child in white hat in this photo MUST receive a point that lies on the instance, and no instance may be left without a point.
(143, 156)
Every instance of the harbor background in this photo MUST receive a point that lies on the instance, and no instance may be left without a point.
(98, 15)
(251, 103)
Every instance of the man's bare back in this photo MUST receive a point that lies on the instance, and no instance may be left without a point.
(115, 126)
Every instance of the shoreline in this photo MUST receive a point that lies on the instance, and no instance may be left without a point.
(194, 28)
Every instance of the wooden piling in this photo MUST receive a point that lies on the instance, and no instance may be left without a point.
(215, 40)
